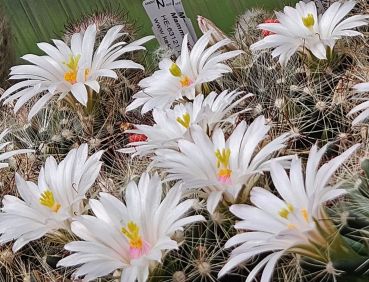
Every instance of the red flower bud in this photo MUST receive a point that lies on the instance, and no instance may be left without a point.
(137, 138)
(266, 33)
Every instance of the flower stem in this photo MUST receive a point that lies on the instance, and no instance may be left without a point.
(90, 102)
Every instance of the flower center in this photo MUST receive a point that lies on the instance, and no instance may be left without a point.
(184, 120)
(71, 75)
(137, 246)
(47, 200)
(286, 211)
(308, 21)
(185, 81)
(224, 172)
(176, 71)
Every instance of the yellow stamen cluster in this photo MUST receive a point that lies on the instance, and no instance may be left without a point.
(305, 214)
(224, 173)
(223, 163)
(184, 120)
(176, 71)
(47, 199)
(72, 64)
(185, 81)
(286, 211)
(71, 76)
(132, 232)
(87, 73)
(308, 21)
(223, 157)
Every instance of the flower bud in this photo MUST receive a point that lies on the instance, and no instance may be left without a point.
(266, 33)
(217, 34)
(137, 138)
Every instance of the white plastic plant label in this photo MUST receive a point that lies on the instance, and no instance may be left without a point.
(170, 23)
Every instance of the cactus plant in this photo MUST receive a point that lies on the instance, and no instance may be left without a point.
(311, 101)
(104, 20)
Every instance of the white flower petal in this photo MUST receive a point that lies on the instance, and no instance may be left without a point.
(79, 92)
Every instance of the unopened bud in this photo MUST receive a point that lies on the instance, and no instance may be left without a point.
(265, 32)
(217, 34)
